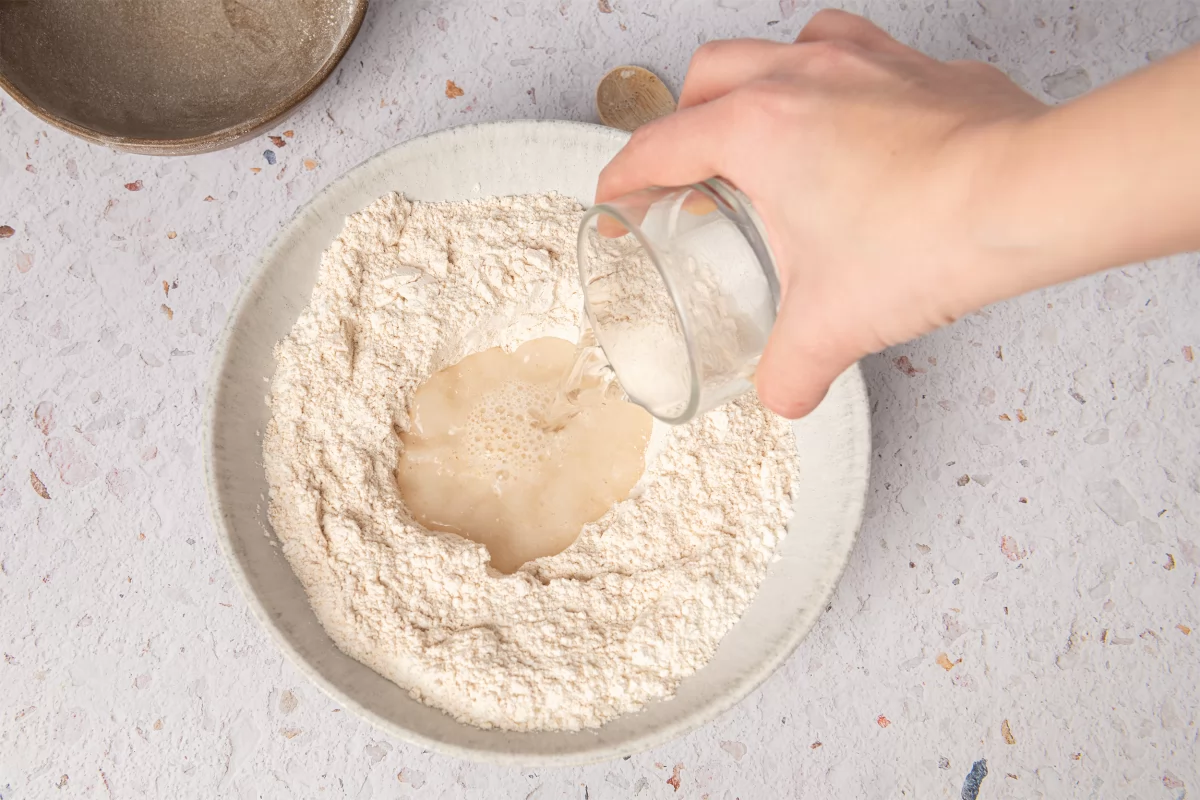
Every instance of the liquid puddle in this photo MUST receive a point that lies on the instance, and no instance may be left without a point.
(518, 451)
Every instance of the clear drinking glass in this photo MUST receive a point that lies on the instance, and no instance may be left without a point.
(681, 292)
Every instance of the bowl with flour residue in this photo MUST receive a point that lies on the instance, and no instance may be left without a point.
(827, 485)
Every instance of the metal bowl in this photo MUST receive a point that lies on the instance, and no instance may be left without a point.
(170, 77)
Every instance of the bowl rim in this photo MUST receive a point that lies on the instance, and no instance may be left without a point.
(208, 142)
(702, 715)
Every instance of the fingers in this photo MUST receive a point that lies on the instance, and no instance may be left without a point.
(721, 66)
(834, 25)
(803, 357)
(685, 147)
(690, 145)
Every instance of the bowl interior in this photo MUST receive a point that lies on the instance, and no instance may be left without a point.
(169, 69)
(476, 161)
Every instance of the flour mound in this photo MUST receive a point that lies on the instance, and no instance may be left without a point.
(638, 603)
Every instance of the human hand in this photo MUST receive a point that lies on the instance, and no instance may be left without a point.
(871, 166)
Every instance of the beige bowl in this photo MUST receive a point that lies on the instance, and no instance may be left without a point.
(170, 77)
(500, 159)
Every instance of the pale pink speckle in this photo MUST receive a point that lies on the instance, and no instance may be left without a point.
(73, 465)
(8, 495)
(119, 481)
(24, 262)
(963, 680)
(953, 627)
(413, 777)
(443, 24)
(43, 417)
(288, 701)
(735, 749)
(1010, 548)
(149, 452)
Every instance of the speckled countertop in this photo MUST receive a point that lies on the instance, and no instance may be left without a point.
(1024, 590)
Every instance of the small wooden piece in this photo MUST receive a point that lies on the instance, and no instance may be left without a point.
(629, 97)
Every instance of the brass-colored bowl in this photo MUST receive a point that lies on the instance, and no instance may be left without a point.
(170, 77)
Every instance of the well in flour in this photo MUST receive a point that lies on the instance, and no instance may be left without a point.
(637, 603)
(478, 459)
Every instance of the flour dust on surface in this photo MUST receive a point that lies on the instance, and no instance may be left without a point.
(644, 594)
(483, 460)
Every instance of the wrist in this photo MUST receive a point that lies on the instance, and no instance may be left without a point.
(1007, 247)
(1109, 179)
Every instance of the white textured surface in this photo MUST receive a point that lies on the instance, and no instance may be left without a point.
(131, 667)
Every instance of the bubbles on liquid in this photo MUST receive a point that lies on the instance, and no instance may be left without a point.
(502, 429)
(486, 467)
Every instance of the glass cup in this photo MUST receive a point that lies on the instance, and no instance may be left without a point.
(681, 292)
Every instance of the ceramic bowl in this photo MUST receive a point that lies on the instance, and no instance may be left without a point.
(170, 77)
(477, 161)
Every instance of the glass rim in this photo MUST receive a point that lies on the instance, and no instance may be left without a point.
(613, 212)
(754, 234)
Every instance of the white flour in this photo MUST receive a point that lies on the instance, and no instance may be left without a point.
(639, 602)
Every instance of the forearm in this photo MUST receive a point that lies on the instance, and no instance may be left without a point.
(1110, 179)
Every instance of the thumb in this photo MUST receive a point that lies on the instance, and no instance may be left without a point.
(804, 355)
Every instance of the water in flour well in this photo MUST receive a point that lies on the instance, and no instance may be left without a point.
(518, 451)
